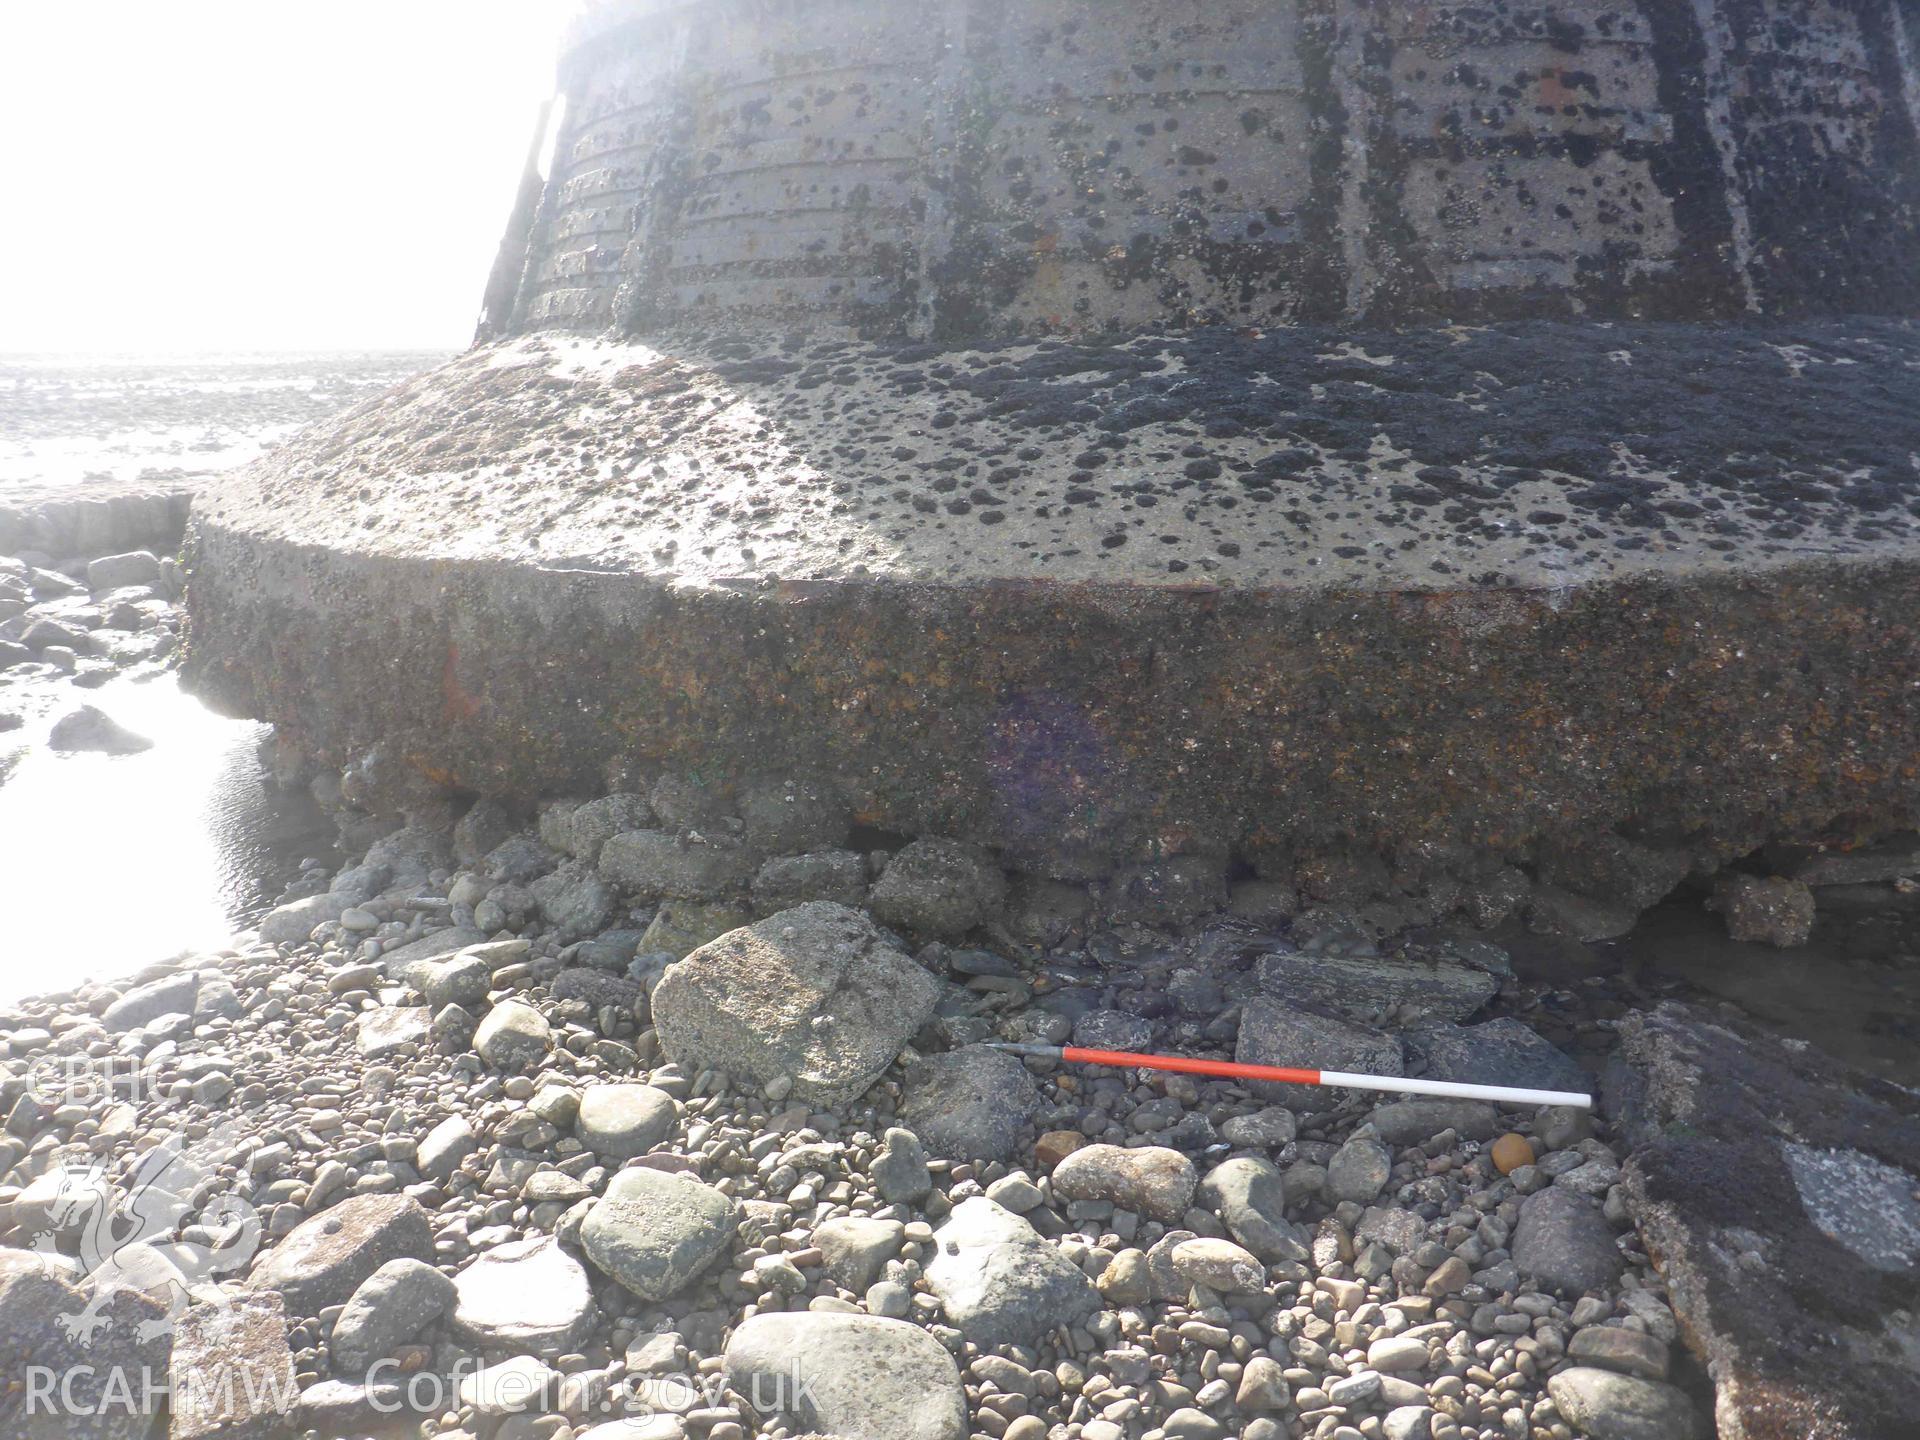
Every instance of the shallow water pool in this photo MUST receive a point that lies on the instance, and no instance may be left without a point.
(110, 862)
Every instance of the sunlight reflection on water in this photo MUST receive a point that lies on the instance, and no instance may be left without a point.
(111, 862)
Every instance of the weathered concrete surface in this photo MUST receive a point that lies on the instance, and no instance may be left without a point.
(56, 523)
(1447, 594)
(954, 167)
(1775, 1189)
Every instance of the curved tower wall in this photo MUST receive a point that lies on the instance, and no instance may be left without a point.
(954, 168)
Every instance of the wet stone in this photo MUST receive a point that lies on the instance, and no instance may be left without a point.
(972, 1102)
(1498, 1052)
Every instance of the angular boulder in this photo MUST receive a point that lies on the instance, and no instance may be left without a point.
(38, 1309)
(143, 1004)
(415, 962)
(654, 1232)
(1301, 1037)
(938, 888)
(682, 926)
(971, 1103)
(325, 1258)
(789, 880)
(663, 865)
(1249, 1195)
(393, 1305)
(815, 993)
(1563, 1241)
(386, 1029)
(231, 1376)
(293, 922)
(135, 567)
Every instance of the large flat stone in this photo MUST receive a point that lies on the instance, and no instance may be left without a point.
(856, 1376)
(325, 1258)
(386, 1029)
(1364, 987)
(1775, 1188)
(524, 1296)
(1302, 1038)
(170, 994)
(413, 963)
(232, 1375)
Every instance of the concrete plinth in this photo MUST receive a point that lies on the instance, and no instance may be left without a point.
(1097, 604)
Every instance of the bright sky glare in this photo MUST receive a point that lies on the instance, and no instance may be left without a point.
(260, 174)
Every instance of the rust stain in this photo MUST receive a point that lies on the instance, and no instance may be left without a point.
(457, 703)
(1553, 91)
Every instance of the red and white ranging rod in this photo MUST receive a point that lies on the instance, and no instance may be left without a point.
(1234, 1070)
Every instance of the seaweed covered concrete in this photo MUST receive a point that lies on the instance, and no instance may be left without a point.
(1775, 1189)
